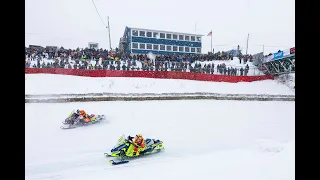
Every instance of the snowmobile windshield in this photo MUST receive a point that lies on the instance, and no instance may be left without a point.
(121, 140)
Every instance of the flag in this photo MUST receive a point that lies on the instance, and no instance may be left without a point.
(210, 33)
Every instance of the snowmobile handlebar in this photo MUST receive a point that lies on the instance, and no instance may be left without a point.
(130, 138)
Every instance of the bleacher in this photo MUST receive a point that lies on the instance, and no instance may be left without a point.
(281, 62)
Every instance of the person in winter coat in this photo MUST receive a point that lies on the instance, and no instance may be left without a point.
(138, 145)
(83, 116)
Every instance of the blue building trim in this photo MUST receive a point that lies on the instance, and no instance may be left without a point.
(128, 39)
(138, 51)
(165, 42)
(129, 34)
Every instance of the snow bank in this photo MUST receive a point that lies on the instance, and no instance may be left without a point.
(64, 84)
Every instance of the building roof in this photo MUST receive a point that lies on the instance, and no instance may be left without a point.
(165, 31)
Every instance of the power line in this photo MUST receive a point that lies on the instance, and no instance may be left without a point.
(221, 45)
(272, 46)
(279, 46)
(99, 14)
(33, 33)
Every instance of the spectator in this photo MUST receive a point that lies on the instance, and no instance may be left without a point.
(112, 60)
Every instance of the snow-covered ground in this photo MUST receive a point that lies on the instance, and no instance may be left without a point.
(288, 80)
(204, 139)
(65, 84)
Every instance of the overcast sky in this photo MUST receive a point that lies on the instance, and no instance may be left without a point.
(74, 23)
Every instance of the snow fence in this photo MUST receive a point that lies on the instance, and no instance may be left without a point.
(59, 98)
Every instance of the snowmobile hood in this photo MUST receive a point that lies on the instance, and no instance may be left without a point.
(119, 147)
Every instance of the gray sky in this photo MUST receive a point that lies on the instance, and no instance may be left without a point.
(74, 23)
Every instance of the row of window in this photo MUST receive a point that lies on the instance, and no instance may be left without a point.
(158, 35)
(162, 47)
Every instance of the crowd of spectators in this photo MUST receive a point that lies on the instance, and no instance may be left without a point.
(114, 60)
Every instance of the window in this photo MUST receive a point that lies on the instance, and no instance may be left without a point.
(134, 45)
(155, 35)
(198, 50)
(187, 49)
(168, 36)
(149, 46)
(174, 36)
(193, 38)
(175, 48)
(155, 47)
(149, 34)
(142, 33)
(134, 33)
(193, 49)
(162, 35)
(142, 46)
(181, 37)
(169, 48)
(198, 38)
(162, 47)
(180, 48)
(187, 38)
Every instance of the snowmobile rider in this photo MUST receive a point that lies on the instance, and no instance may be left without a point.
(83, 115)
(75, 116)
(139, 144)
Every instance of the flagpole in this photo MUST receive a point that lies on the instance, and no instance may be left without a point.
(247, 44)
(109, 34)
(211, 40)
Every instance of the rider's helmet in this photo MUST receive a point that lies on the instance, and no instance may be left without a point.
(81, 111)
(78, 111)
(139, 136)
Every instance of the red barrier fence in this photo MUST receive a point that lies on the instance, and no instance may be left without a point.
(147, 74)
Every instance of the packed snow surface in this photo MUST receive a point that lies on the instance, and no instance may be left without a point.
(65, 84)
(203, 139)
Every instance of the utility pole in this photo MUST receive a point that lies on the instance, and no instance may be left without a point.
(109, 34)
(195, 27)
(263, 49)
(247, 44)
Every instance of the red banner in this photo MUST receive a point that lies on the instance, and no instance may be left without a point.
(147, 74)
(293, 50)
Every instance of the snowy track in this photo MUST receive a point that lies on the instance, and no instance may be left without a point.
(202, 138)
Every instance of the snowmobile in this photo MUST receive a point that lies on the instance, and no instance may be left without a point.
(74, 120)
(123, 144)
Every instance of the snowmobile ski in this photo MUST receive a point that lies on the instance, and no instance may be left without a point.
(70, 127)
(118, 162)
(107, 155)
